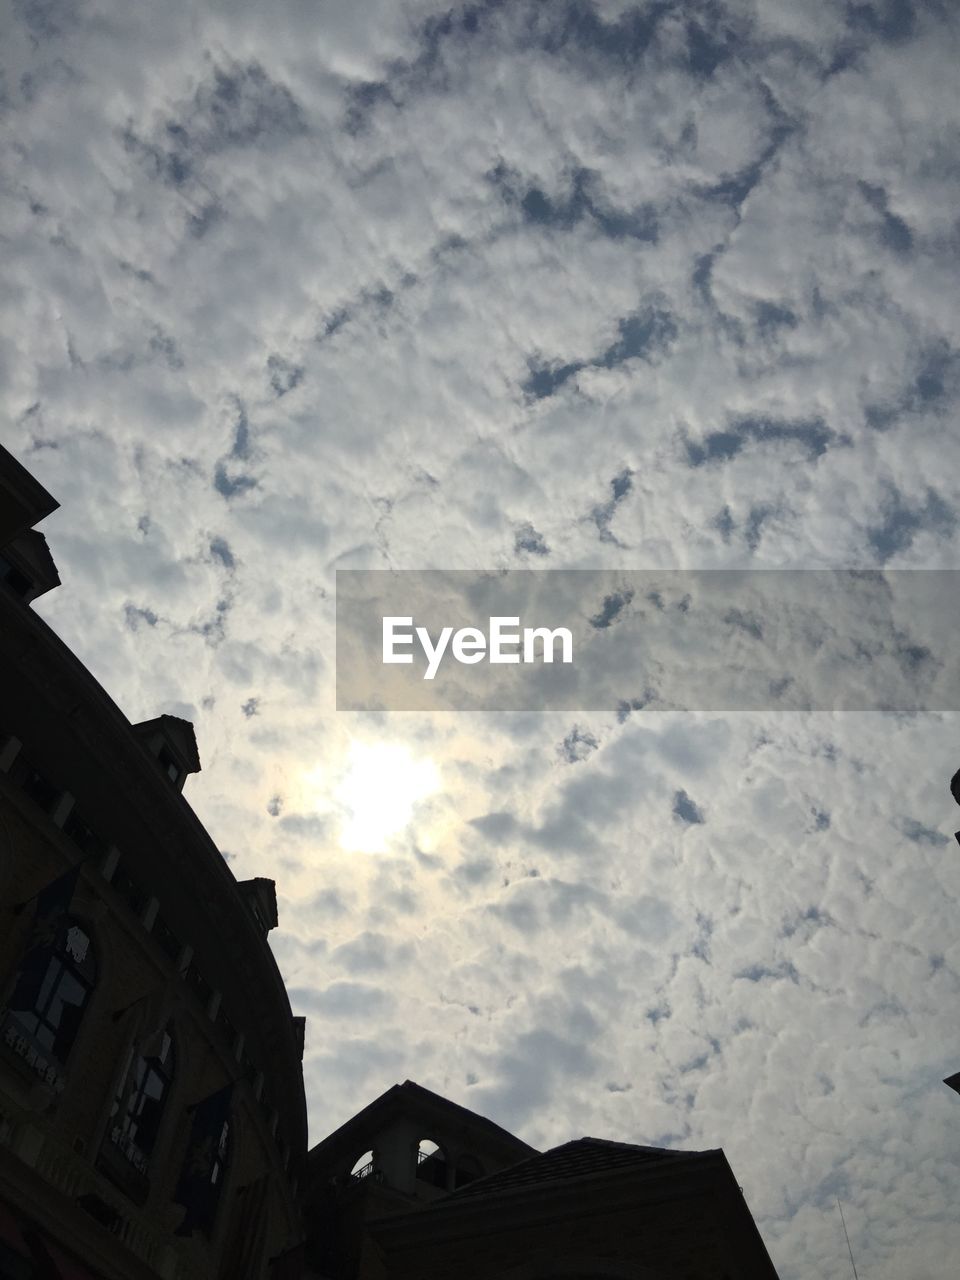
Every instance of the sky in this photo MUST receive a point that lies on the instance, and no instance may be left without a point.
(291, 288)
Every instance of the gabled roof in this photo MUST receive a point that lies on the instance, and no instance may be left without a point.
(577, 1159)
(687, 1203)
(413, 1100)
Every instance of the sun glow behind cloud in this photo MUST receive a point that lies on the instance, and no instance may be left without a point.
(379, 792)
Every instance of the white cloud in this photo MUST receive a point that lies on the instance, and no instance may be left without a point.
(277, 286)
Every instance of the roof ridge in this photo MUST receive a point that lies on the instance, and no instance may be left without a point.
(409, 1091)
(576, 1158)
(635, 1146)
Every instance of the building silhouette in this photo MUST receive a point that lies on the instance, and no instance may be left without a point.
(415, 1186)
(152, 1111)
(152, 1114)
(407, 1149)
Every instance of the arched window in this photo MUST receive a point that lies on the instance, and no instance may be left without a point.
(468, 1169)
(362, 1166)
(53, 986)
(219, 1161)
(431, 1164)
(205, 1162)
(139, 1105)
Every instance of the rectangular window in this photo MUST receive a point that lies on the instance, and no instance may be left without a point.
(196, 980)
(167, 940)
(128, 889)
(84, 837)
(227, 1028)
(34, 784)
(170, 766)
(18, 582)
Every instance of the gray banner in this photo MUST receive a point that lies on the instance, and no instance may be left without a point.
(697, 640)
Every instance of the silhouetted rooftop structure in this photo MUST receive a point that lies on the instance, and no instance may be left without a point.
(581, 1158)
(589, 1208)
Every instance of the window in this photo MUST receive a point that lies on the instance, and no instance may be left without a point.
(34, 784)
(198, 982)
(54, 985)
(18, 582)
(84, 837)
(431, 1164)
(219, 1160)
(228, 1030)
(362, 1166)
(138, 1107)
(129, 890)
(166, 939)
(169, 765)
(204, 1163)
(249, 1072)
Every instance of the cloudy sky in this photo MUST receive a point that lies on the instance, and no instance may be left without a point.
(290, 288)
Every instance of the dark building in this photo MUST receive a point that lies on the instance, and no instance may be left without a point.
(408, 1148)
(152, 1115)
(415, 1186)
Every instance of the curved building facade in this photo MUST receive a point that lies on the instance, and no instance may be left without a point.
(152, 1116)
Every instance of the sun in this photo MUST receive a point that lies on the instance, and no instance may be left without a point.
(382, 785)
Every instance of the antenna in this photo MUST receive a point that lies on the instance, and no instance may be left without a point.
(847, 1238)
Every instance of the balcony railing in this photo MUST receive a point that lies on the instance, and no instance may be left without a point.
(74, 1176)
(18, 1041)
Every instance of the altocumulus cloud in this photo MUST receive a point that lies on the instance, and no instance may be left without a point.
(412, 285)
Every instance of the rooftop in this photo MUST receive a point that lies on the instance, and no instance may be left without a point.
(577, 1159)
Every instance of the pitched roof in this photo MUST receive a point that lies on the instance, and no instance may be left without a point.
(413, 1099)
(578, 1179)
(577, 1159)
